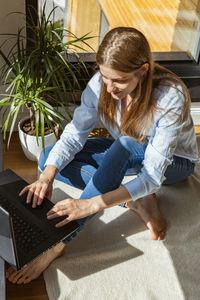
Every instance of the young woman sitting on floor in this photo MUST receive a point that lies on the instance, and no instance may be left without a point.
(146, 109)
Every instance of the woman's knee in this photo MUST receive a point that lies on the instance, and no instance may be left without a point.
(128, 142)
(43, 157)
(136, 151)
(180, 169)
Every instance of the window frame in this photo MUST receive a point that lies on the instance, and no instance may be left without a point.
(178, 62)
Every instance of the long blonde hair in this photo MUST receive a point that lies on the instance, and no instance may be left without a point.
(126, 49)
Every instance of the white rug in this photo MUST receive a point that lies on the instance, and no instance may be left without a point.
(114, 258)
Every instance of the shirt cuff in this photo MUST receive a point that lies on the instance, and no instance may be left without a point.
(137, 189)
(58, 162)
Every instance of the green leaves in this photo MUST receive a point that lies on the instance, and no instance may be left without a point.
(39, 78)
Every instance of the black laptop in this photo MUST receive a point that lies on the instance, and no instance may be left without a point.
(25, 232)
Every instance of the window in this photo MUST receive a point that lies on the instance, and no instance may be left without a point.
(172, 27)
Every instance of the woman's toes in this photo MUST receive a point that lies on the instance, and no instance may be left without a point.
(12, 278)
(27, 280)
(9, 272)
(162, 235)
(22, 279)
(15, 276)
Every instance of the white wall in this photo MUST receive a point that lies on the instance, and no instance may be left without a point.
(10, 23)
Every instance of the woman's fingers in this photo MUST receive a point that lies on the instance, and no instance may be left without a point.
(36, 197)
(31, 190)
(56, 212)
(62, 223)
(37, 191)
(29, 196)
(39, 194)
(72, 208)
(42, 194)
(24, 190)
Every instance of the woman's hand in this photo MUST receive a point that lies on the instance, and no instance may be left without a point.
(41, 188)
(38, 190)
(73, 209)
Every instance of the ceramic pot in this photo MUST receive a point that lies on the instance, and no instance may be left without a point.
(29, 143)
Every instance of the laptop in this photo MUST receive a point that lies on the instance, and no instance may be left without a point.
(25, 232)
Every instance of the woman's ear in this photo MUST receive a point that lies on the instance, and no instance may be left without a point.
(144, 68)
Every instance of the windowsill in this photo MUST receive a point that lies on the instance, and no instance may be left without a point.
(195, 112)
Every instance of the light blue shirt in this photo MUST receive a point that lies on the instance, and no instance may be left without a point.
(167, 136)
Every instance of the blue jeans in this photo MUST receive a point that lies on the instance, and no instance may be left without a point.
(102, 164)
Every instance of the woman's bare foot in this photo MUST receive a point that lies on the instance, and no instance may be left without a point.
(147, 209)
(35, 268)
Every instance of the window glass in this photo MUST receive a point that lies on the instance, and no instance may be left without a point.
(169, 25)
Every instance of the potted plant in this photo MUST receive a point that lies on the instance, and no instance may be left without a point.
(39, 79)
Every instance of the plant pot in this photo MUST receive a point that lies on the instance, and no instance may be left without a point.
(29, 144)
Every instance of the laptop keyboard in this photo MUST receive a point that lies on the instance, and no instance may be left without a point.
(27, 235)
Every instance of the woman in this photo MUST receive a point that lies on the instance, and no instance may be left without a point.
(146, 109)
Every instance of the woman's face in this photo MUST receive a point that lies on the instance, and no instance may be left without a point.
(120, 84)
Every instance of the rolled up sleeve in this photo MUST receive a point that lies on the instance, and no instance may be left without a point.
(76, 132)
(161, 146)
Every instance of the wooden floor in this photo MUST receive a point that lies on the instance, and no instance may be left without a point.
(197, 129)
(15, 160)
